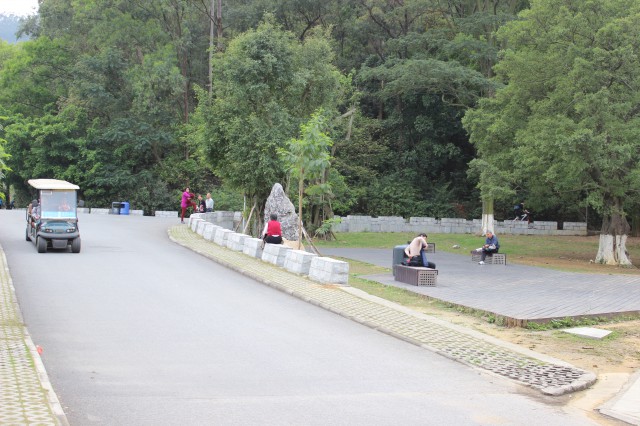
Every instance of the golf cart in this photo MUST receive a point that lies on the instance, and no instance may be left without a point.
(52, 220)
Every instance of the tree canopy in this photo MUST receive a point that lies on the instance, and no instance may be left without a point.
(566, 124)
(122, 98)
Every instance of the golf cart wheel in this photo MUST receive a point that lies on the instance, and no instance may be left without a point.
(75, 245)
(42, 245)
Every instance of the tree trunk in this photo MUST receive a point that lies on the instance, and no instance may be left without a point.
(300, 192)
(613, 238)
(219, 24)
(487, 215)
(211, 26)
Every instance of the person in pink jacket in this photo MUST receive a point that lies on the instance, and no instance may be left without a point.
(187, 200)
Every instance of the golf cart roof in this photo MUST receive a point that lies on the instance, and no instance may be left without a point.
(52, 184)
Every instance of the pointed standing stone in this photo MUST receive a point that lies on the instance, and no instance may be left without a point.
(279, 203)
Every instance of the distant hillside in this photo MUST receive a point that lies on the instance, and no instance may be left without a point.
(8, 27)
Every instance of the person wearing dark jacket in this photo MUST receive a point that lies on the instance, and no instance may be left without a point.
(491, 245)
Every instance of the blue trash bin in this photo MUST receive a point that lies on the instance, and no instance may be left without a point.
(124, 207)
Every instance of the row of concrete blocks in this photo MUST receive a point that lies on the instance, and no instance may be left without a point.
(356, 223)
(320, 269)
(94, 210)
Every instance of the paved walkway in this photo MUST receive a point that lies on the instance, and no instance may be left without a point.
(517, 293)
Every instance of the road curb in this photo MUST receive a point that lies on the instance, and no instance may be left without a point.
(29, 357)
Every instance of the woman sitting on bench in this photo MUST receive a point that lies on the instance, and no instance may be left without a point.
(416, 252)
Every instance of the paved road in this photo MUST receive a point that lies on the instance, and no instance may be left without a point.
(137, 330)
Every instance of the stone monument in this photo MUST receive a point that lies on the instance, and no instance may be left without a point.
(279, 203)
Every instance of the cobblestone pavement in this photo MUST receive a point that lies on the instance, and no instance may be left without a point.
(550, 376)
(26, 396)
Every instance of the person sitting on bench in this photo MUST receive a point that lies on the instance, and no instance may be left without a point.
(416, 252)
(491, 245)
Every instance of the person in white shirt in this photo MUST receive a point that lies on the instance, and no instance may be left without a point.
(208, 203)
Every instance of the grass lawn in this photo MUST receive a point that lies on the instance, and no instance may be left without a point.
(568, 253)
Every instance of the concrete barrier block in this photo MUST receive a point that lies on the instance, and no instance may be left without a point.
(221, 218)
(329, 271)
(275, 253)
(221, 235)
(253, 247)
(165, 213)
(298, 261)
(236, 241)
(100, 211)
(194, 216)
(200, 227)
(193, 223)
(209, 231)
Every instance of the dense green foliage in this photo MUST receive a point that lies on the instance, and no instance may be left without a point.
(115, 96)
(134, 100)
(568, 115)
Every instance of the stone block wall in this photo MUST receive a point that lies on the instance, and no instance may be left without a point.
(100, 211)
(165, 213)
(355, 223)
(221, 218)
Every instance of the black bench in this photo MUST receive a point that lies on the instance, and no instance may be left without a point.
(415, 275)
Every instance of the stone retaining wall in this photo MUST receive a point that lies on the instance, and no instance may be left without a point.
(356, 223)
(162, 213)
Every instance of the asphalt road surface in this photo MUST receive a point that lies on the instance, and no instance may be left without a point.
(137, 330)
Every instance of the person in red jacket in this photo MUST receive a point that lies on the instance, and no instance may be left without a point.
(272, 233)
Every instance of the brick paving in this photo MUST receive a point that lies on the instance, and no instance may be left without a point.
(551, 377)
(26, 396)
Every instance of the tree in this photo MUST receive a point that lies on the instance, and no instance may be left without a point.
(307, 157)
(567, 119)
(267, 82)
(3, 156)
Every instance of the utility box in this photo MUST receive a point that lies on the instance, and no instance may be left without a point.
(115, 208)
